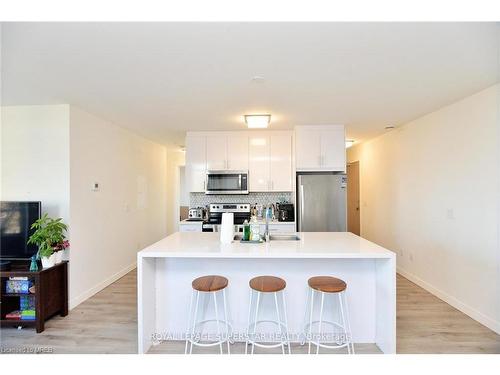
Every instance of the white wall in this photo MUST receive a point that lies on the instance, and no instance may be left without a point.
(35, 156)
(430, 192)
(128, 212)
(184, 193)
(174, 160)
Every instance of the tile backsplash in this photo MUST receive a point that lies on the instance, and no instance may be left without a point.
(201, 200)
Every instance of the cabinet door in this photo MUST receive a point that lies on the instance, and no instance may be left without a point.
(216, 153)
(258, 168)
(333, 150)
(281, 162)
(307, 149)
(195, 164)
(237, 152)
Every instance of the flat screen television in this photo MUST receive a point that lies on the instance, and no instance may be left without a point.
(16, 219)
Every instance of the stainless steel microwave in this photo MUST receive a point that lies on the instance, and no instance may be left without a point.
(227, 182)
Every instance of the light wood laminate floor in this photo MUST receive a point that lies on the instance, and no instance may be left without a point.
(107, 323)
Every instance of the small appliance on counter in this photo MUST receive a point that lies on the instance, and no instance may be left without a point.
(286, 211)
(196, 214)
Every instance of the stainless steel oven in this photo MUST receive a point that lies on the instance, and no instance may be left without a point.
(227, 182)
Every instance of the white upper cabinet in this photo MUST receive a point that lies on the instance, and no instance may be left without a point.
(227, 152)
(216, 153)
(196, 165)
(320, 148)
(259, 168)
(237, 152)
(333, 149)
(267, 155)
(270, 166)
(281, 162)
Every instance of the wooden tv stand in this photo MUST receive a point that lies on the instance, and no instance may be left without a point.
(51, 294)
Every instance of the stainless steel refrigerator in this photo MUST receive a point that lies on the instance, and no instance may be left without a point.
(321, 202)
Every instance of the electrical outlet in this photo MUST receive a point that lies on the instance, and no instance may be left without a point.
(450, 214)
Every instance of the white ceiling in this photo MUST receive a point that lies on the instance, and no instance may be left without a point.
(162, 79)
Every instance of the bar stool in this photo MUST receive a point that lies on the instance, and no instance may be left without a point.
(264, 286)
(204, 287)
(336, 288)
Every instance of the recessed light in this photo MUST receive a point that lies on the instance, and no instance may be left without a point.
(258, 121)
(389, 127)
(349, 143)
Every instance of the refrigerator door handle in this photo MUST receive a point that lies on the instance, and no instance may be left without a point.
(301, 218)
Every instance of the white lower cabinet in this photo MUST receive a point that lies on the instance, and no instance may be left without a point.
(194, 226)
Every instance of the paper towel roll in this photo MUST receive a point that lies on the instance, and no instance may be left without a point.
(227, 227)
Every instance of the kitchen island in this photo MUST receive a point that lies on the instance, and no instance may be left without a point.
(167, 268)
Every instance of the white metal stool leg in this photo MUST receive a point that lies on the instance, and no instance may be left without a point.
(348, 320)
(255, 321)
(286, 323)
(279, 322)
(188, 330)
(226, 319)
(344, 324)
(309, 338)
(195, 318)
(219, 338)
(248, 324)
(320, 321)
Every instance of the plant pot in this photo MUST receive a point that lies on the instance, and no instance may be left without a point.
(48, 262)
(59, 256)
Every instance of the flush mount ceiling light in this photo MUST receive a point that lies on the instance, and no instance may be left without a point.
(349, 143)
(257, 121)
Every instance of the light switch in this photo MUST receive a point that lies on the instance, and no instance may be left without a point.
(95, 186)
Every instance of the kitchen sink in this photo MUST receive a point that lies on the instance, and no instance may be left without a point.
(284, 237)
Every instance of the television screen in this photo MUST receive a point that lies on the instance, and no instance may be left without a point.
(16, 219)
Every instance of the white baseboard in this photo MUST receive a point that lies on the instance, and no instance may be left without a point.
(73, 302)
(459, 305)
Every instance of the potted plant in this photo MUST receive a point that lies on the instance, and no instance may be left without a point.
(50, 238)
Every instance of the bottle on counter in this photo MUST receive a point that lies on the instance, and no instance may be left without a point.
(246, 231)
(254, 229)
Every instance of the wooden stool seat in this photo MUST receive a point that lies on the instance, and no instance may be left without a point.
(210, 283)
(327, 284)
(267, 284)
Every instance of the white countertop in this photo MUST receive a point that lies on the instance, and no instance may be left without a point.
(310, 245)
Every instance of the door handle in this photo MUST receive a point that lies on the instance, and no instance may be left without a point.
(301, 218)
